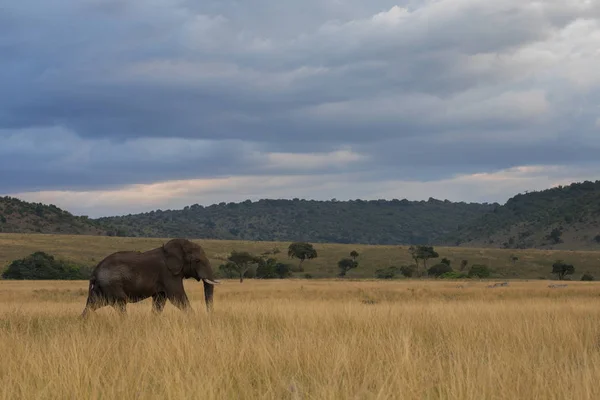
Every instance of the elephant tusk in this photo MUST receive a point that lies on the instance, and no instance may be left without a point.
(211, 282)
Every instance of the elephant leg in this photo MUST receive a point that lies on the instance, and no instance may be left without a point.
(158, 302)
(180, 300)
(176, 295)
(121, 306)
(94, 301)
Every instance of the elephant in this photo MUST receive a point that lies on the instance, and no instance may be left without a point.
(131, 276)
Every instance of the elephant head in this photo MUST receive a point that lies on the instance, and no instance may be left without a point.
(188, 259)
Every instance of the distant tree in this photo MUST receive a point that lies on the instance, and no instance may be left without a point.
(241, 261)
(555, 235)
(587, 277)
(463, 264)
(266, 269)
(228, 270)
(414, 253)
(345, 265)
(439, 269)
(408, 270)
(561, 269)
(354, 254)
(425, 253)
(597, 238)
(302, 251)
(479, 271)
(445, 261)
(283, 270)
(514, 259)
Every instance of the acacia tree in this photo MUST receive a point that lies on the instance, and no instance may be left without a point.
(240, 261)
(345, 265)
(425, 253)
(354, 254)
(422, 253)
(302, 251)
(414, 253)
(561, 269)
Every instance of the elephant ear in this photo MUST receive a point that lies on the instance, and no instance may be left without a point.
(174, 255)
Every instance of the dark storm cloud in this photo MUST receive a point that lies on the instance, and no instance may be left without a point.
(106, 92)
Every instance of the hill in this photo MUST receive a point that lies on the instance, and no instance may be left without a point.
(89, 250)
(355, 221)
(19, 216)
(565, 217)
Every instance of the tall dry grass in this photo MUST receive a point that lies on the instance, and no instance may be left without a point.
(306, 340)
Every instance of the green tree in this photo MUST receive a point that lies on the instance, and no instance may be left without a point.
(229, 270)
(439, 269)
(302, 251)
(408, 270)
(266, 269)
(562, 269)
(479, 271)
(555, 235)
(282, 270)
(424, 253)
(446, 261)
(414, 254)
(345, 265)
(514, 259)
(354, 254)
(241, 261)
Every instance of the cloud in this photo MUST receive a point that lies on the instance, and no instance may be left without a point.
(106, 94)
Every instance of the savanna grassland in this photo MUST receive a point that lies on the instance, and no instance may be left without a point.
(307, 339)
(89, 250)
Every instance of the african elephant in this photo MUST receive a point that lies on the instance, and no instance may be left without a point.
(131, 276)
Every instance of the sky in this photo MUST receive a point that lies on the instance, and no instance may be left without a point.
(110, 107)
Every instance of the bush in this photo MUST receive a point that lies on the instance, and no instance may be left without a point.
(479, 271)
(271, 269)
(587, 277)
(408, 270)
(386, 273)
(453, 275)
(40, 265)
(439, 269)
(308, 276)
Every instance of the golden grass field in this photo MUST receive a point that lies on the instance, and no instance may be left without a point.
(89, 250)
(306, 339)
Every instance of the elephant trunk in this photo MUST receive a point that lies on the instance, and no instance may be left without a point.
(208, 294)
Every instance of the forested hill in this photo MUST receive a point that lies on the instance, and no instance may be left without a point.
(17, 216)
(565, 217)
(368, 222)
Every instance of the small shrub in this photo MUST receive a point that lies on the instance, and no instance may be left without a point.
(386, 273)
(308, 276)
(587, 277)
